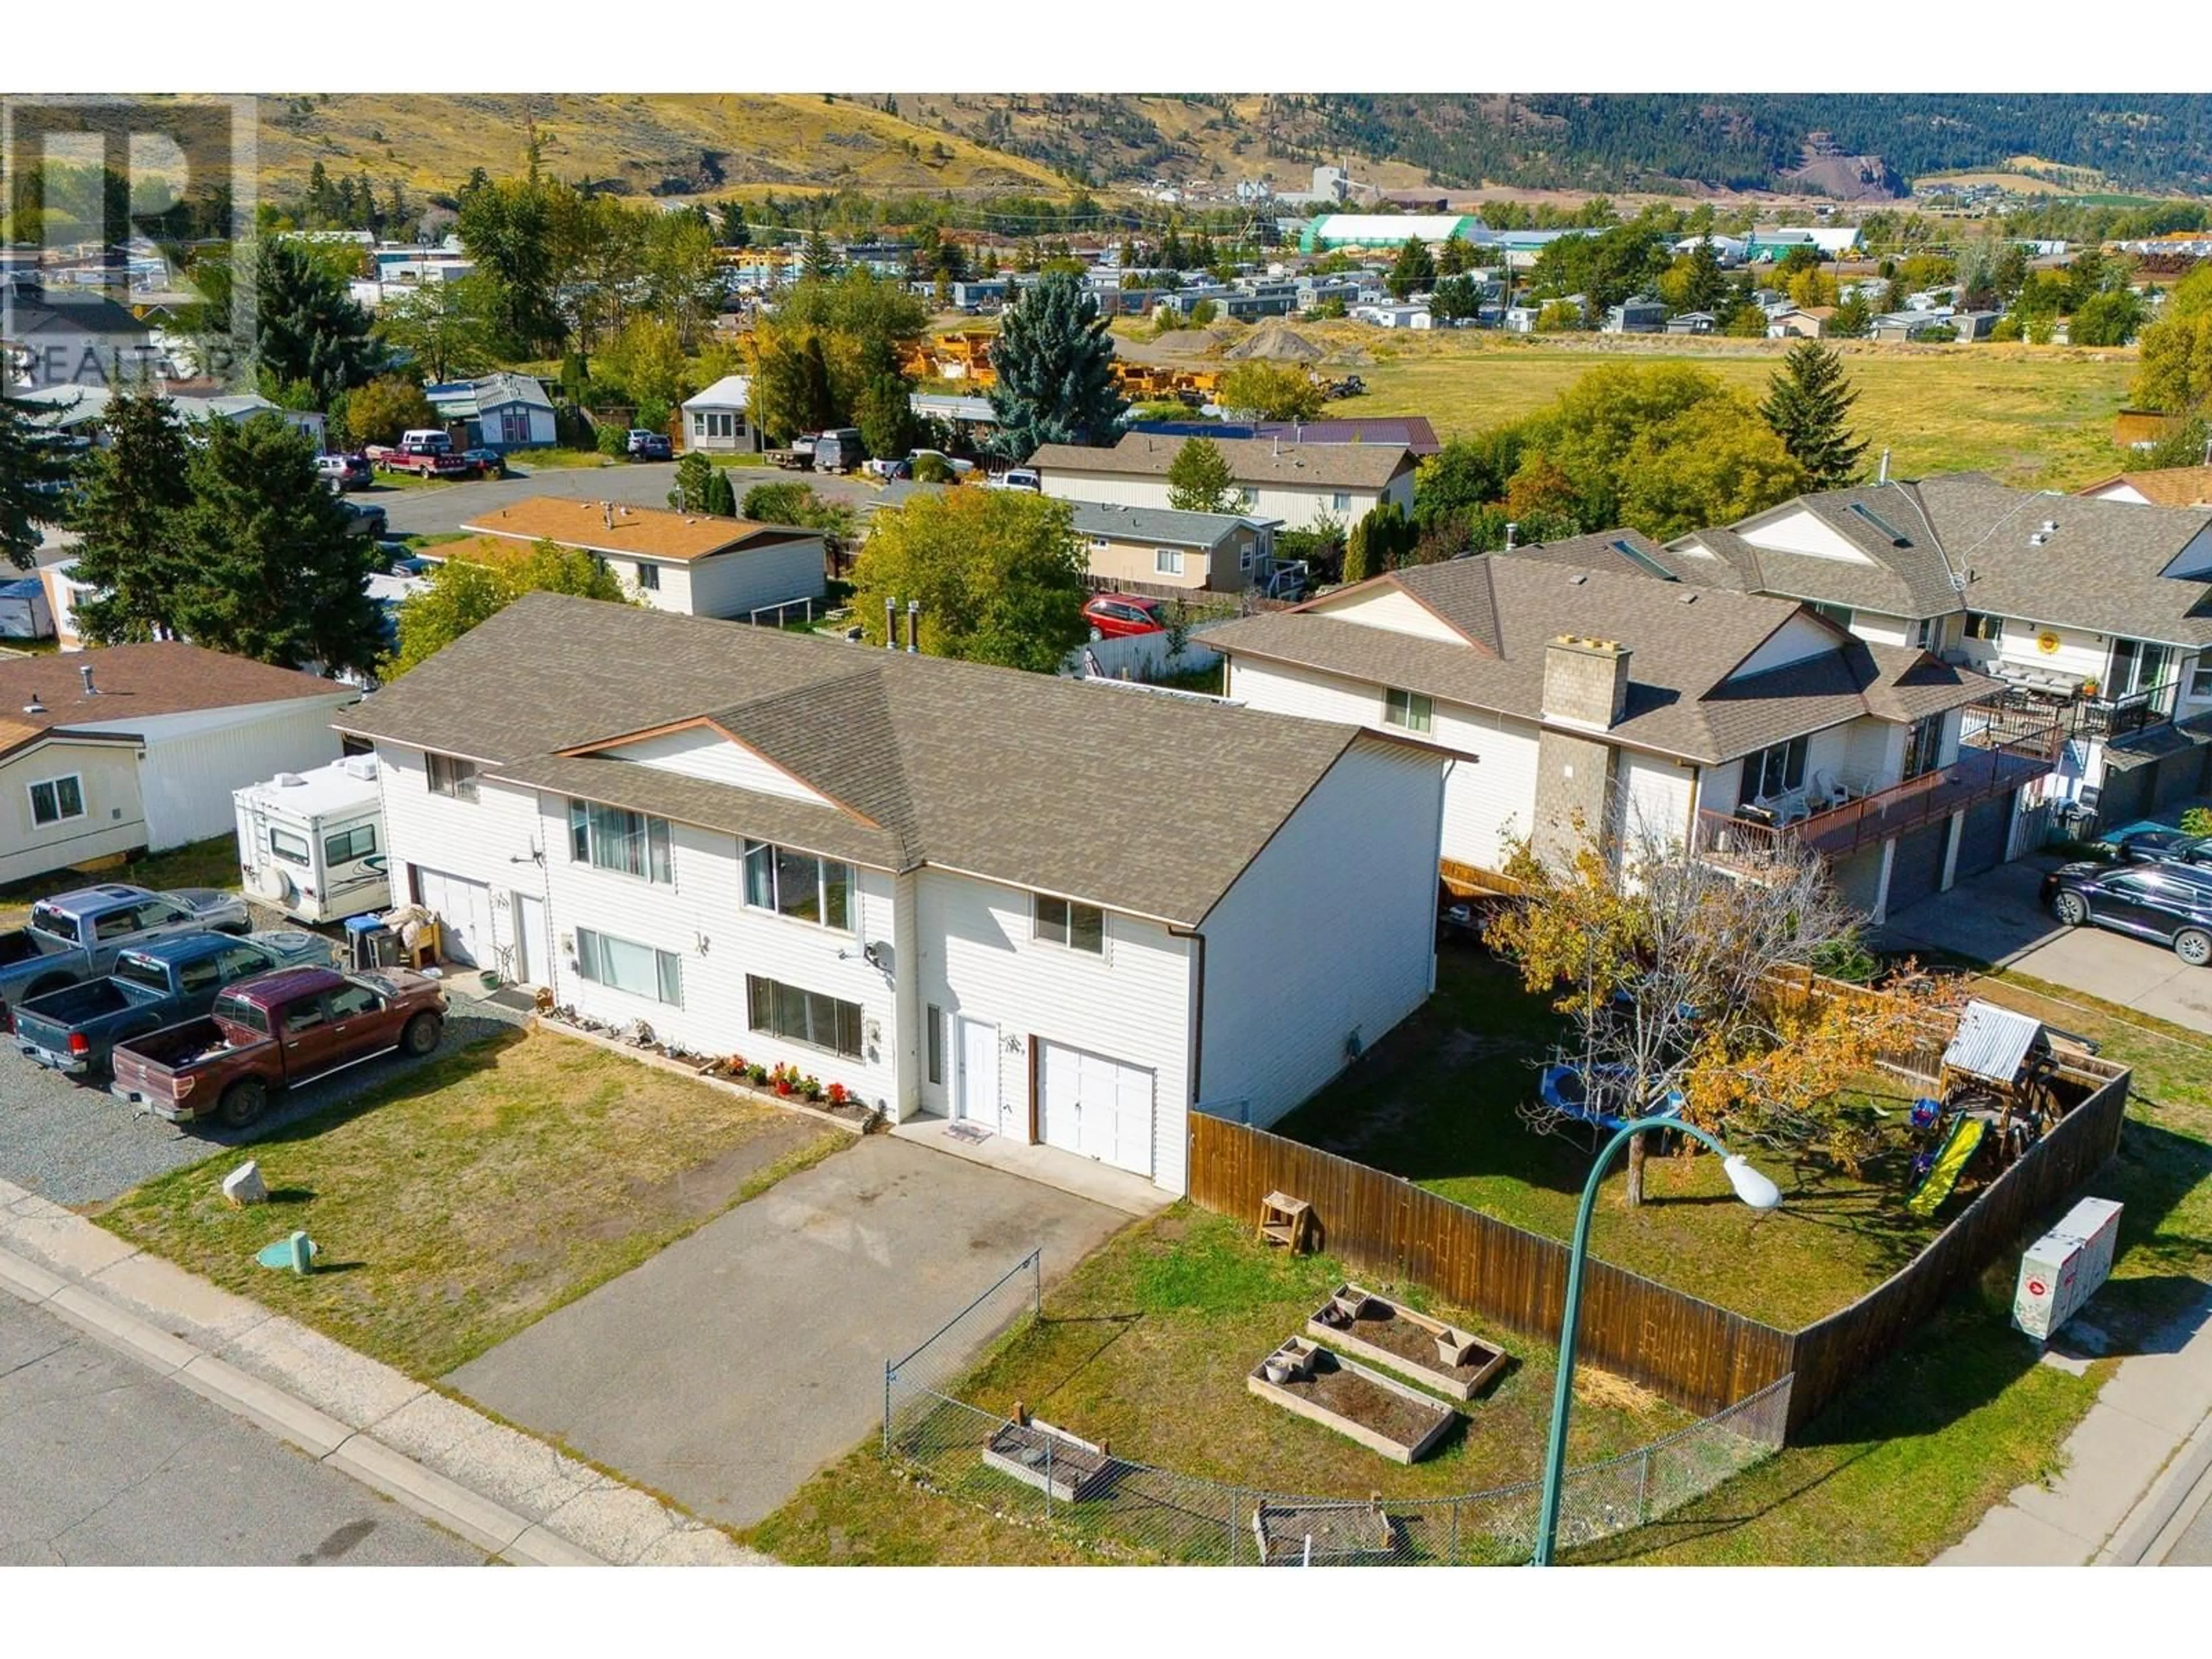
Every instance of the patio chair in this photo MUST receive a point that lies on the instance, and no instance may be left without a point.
(1828, 791)
(1788, 809)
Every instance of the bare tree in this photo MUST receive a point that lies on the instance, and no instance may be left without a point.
(1675, 973)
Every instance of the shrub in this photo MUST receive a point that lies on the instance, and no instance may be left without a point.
(931, 469)
(611, 439)
(2196, 820)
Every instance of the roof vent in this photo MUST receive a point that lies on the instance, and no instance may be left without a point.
(90, 689)
(1689, 598)
(34, 707)
(288, 780)
(1577, 580)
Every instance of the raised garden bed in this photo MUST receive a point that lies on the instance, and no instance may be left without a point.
(1321, 1534)
(1039, 1455)
(1455, 1362)
(1379, 1412)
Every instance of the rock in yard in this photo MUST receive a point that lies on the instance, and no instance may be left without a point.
(244, 1185)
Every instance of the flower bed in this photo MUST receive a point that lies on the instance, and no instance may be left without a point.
(727, 1072)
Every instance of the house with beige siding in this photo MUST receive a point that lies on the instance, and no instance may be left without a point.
(1583, 688)
(1159, 547)
(1069, 912)
(693, 563)
(110, 750)
(1293, 484)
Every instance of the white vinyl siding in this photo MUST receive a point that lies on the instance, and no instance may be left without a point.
(732, 586)
(193, 762)
(701, 752)
(621, 964)
(1391, 609)
(1655, 798)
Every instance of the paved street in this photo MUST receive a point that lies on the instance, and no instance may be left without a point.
(733, 1364)
(105, 1463)
(432, 509)
(1996, 918)
(76, 1144)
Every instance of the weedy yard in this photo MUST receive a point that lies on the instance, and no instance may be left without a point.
(469, 1200)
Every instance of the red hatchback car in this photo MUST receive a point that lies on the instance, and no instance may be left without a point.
(1113, 614)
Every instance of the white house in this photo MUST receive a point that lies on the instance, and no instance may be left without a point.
(140, 745)
(1588, 682)
(1293, 483)
(1071, 913)
(693, 563)
(501, 411)
(719, 421)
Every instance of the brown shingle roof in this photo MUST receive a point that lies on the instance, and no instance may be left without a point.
(1685, 642)
(1251, 460)
(164, 678)
(1147, 803)
(649, 532)
(1631, 553)
(2166, 486)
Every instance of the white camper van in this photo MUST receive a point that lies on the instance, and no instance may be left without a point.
(312, 843)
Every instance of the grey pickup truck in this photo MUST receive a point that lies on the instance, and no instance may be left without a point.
(77, 936)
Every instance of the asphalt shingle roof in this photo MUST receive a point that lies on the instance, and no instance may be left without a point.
(1251, 460)
(1147, 803)
(139, 681)
(1154, 524)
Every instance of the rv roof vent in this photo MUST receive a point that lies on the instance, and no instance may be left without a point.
(288, 780)
(360, 766)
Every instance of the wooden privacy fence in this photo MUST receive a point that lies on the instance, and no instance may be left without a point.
(1700, 1356)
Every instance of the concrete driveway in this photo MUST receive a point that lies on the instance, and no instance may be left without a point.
(436, 508)
(735, 1363)
(1997, 918)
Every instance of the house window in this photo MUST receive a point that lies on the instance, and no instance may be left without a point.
(56, 800)
(1980, 625)
(808, 1017)
(1247, 497)
(1775, 771)
(292, 848)
(2200, 685)
(1927, 632)
(346, 846)
(798, 885)
(648, 576)
(933, 1030)
(1341, 502)
(629, 843)
(1923, 745)
(638, 970)
(1409, 711)
(1099, 544)
(1839, 613)
(1167, 561)
(1063, 921)
(451, 775)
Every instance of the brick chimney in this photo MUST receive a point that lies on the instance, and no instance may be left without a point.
(1585, 682)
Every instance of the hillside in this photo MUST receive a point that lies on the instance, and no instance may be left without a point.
(713, 145)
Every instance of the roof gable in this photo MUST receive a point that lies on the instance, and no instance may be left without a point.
(705, 748)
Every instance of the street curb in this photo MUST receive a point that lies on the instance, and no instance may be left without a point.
(2138, 1537)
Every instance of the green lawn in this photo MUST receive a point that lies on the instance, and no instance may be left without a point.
(466, 1201)
(211, 863)
(1439, 1103)
(2032, 415)
(526, 461)
(1144, 1347)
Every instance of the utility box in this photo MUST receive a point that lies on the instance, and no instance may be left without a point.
(2064, 1268)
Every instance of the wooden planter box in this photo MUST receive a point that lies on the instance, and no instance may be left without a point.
(1052, 1460)
(1342, 1533)
(1381, 1413)
(1453, 1362)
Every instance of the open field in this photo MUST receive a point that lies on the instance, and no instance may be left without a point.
(467, 1200)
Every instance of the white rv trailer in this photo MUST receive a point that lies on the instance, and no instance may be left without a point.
(312, 843)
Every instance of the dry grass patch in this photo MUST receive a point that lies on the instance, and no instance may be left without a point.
(467, 1200)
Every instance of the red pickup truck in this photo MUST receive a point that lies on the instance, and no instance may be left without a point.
(273, 1030)
(414, 454)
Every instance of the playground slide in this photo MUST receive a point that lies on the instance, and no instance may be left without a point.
(1965, 1137)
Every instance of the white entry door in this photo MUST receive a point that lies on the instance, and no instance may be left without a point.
(464, 913)
(978, 1097)
(533, 945)
(1098, 1107)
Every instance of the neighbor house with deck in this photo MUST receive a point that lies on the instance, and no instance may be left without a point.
(1069, 913)
(1583, 687)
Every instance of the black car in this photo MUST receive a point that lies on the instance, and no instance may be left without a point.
(488, 462)
(2168, 903)
(2165, 847)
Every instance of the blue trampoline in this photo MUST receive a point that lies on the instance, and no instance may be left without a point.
(1566, 1091)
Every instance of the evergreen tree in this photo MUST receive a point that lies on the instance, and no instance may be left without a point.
(1706, 283)
(1359, 551)
(817, 399)
(733, 231)
(32, 476)
(885, 415)
(1171, 253)
(269, 566)
(1199, 479)
(308, 329)
(1053, 360)
(818, 262)
(721, 494)
(1808, 400)
(1853, 318)
(1414, 271)
(137, 490)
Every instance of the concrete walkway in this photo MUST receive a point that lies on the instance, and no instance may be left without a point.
(2135, 1466)
(1066, 1172)
(512, 1495)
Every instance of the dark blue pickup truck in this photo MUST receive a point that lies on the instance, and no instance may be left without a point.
(164, 982)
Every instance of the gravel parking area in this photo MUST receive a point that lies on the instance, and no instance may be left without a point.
(78, 1144)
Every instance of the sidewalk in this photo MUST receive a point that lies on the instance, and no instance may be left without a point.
(2134, 1466)
(512, 1495)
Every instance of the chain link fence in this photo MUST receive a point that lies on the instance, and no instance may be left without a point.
(1117, 1508)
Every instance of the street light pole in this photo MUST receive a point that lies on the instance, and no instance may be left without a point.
(1753, 1188)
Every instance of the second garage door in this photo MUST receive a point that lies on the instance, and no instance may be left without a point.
(463, 912)
(1982, 839)
(1098, 1107)
(1917, 872)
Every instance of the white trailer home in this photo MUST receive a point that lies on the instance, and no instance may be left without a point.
(312, 843)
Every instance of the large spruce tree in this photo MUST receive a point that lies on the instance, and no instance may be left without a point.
(136, 491)
(33, 475)
(310, 332)
(1808, 403)
(1055, 380)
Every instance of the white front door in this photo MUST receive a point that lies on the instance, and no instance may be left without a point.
(978, 1097)
(1098, 1107)
(533, 949)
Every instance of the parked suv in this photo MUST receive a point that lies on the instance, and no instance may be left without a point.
(345, 472)
(643, 444)
(2166, 903)
(363, 519)
(2164, 846)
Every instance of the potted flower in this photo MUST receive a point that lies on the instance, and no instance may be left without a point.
(810, 1086)
(756, 1074)
(839, 1094)
(785, 1083)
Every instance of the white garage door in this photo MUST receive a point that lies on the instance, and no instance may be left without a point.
(1098, 1107)
(463, 912)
